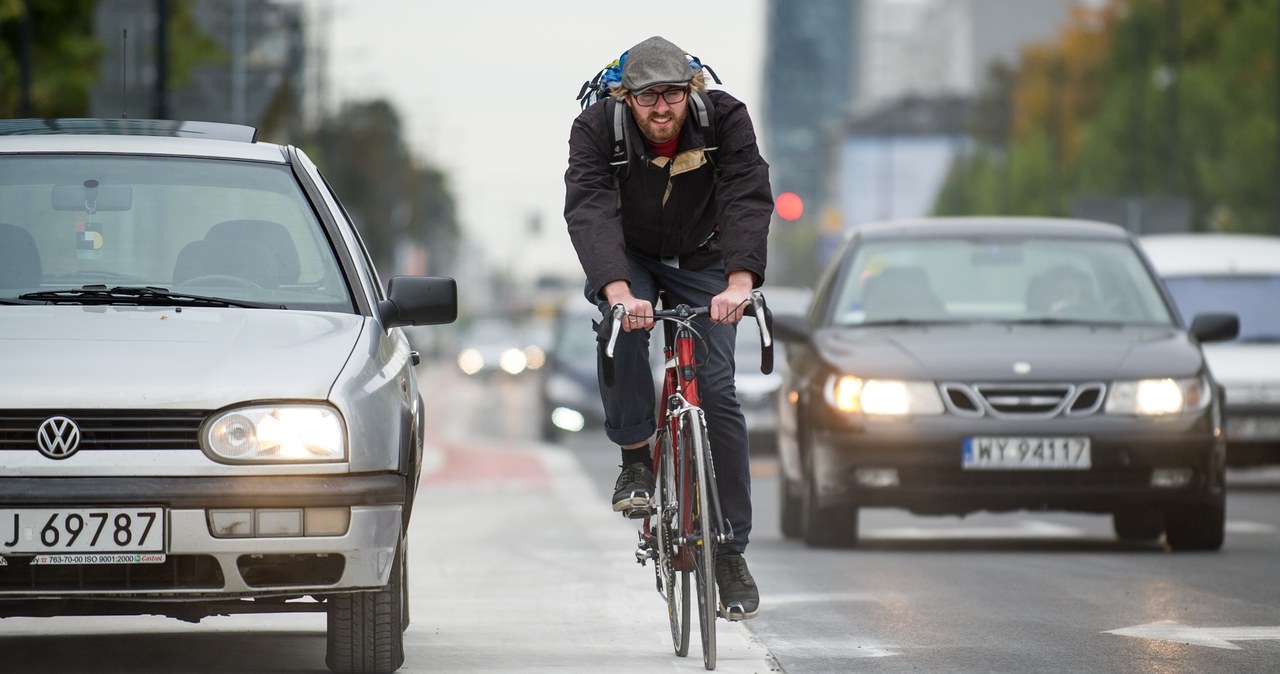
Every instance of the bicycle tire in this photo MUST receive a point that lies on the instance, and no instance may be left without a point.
(696, 450)
(673, 578)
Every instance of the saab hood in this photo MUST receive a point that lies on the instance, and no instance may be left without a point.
(965, 352)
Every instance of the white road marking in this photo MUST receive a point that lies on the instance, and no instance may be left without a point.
(1213, 637)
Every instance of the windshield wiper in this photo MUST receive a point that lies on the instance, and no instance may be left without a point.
(141, 295)
(1059, 321)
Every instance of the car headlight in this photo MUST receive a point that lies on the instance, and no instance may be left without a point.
(513, 361)
(886, 397)
(470, 361)
(1158, 397)
(276, 434)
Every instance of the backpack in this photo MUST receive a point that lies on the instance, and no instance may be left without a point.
(598, 88)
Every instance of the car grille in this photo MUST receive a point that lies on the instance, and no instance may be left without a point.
(1023, 400)
(980, 481)
(108, 429)
(177, 572)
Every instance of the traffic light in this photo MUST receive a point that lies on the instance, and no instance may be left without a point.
(789, 206)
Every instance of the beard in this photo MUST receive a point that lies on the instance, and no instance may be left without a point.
(660, 127)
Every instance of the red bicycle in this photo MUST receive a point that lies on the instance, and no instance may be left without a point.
(686, 525)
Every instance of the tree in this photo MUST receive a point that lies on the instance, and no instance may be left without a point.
(63, 57)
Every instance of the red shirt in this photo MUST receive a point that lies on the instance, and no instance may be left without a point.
(667, 149)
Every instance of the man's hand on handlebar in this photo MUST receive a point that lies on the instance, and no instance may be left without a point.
(728, 305)
(639, 312)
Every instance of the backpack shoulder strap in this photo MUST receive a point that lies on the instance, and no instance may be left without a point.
(617, 114)
(705, 112)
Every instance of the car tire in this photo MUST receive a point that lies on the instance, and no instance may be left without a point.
(366, 629)
(1138, 524)
(826, 527)
(790, 509)
(1200, 526)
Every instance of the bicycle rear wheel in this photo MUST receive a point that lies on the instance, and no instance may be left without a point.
(673, 576)
(695, 452)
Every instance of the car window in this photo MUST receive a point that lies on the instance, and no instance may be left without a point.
(998, 280)
(234, 229)
(1252, 298)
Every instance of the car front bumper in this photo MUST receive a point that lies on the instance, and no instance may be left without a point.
(199, 565)
(852, 464)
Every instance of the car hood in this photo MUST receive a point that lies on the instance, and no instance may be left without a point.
(989, 351)
(156, 357)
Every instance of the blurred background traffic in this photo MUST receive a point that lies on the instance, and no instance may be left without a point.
(1159, 115)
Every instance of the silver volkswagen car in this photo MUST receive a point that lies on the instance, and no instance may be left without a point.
(207, 405)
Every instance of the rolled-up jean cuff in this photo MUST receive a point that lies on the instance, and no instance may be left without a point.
(633, 434)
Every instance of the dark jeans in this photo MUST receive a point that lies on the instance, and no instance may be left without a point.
(631, 403)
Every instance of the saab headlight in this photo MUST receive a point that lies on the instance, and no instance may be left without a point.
(1158, 397)
(276, 434)
(883, 397)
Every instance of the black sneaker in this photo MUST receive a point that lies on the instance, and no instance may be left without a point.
(633, 491)
(739, 598)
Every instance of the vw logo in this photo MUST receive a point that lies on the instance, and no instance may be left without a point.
(58, 437)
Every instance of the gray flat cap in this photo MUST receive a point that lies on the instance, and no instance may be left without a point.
(653, 62)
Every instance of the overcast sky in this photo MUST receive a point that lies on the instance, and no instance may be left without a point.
(486, 90)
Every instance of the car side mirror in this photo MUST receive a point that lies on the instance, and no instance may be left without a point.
(791, 328)
(1215, 327)
(419, 300)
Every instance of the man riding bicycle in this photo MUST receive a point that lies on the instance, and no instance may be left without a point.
(689, 216)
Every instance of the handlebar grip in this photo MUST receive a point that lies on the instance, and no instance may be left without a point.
(607, 338)
(764, 322)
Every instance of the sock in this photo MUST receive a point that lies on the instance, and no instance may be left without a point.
(637, 455)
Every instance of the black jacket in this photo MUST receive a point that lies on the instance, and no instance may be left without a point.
(717, 209)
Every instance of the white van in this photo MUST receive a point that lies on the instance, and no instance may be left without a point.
(1238, 273)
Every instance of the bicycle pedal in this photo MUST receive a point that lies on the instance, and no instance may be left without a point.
(733, 612)
(637, 513)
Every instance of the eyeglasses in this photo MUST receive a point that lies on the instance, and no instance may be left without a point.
(671, 96)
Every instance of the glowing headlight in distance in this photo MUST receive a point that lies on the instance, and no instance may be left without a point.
(887, 397)
(1158, 397)
(470, 361)
(277, 434)
(513, 361)
(535, 356)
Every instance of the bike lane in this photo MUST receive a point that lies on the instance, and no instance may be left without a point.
(519, 565)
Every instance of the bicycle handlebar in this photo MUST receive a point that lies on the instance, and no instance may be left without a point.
(683, 313)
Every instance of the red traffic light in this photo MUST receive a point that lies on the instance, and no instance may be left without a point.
(789, 206)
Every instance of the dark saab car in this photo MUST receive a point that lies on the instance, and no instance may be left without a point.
(948, 366)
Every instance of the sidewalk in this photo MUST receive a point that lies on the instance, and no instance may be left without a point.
(519, 565)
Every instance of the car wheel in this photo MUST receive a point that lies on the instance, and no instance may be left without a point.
(366, 629)
(1200, 526)
(1138, 524)
(790, 509)
(826, 527)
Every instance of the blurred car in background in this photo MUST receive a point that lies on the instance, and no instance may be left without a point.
(758, 392)
(493, 346)
(570, 390)
(952, 365)
(1238, 273)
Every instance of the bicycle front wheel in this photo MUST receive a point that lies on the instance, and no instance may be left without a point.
(673, 576)
(696, 452)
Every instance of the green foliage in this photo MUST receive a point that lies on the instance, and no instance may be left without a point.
(64, 58)
(392, 197)
(1192, 113)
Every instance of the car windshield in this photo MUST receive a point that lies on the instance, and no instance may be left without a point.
(237, 230)
(1252, 298)
(987, 279)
